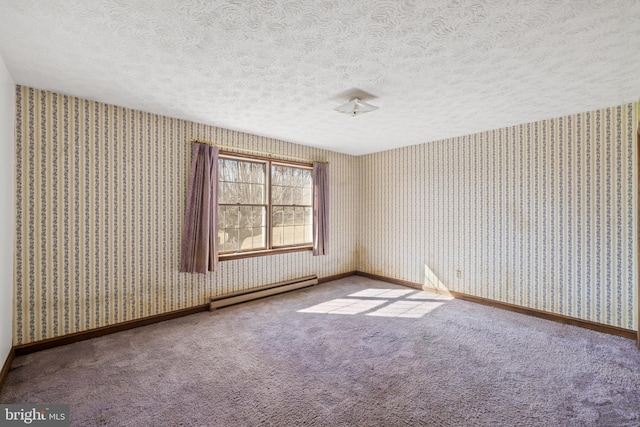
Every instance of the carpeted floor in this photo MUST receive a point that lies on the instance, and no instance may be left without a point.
(344, 353)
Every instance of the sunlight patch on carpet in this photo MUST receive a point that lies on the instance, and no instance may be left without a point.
(344, 306)
(396, 303)
(410, 309)
(381, 293)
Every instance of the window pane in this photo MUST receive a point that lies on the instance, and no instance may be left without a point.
(244, 238)
(257, 173)
(260, 237)
(286, 175)
(308, 234)
(232, 193)
(277, 193)
(243, 193)
(236, 189)
(252, 238)
(227, 217)
(276, 236)
(228, 170)
(222, 169)
(259, 217)
(296, 196)
(240, 171)
(302, 178)
(286, 197)
(276, 175)
(222, 240)
(232, 237)
(246, 216)
(257, 194)
(278, 216)
(287, 235)
(308, 216)
(306, 196)
(231, 170)
(289, 216)
(221, 192)
(299, 216)
(227, 193)
(221, 210)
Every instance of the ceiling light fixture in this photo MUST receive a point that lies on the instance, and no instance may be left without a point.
(355, 107)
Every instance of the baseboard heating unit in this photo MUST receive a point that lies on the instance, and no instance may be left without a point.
(261, 291)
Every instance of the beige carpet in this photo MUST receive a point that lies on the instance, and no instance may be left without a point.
(354, 352)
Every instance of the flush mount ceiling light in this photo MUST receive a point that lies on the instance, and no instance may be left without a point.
(356, 107)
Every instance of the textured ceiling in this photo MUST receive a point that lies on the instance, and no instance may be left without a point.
(436, 69)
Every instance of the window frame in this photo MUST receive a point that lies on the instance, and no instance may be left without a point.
(270, 250)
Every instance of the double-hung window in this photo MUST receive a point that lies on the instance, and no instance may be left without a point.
(264, 206)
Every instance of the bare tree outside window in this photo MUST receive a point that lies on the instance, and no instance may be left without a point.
(242, 205)
(291, 204)
(263, 205)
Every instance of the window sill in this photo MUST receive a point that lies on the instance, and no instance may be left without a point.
(251, 254)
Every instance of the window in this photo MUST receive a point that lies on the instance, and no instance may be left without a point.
(291, 216)
(264, 206)
(242, 205)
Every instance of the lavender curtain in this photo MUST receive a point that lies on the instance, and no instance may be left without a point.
(200, 231)
(320, 208)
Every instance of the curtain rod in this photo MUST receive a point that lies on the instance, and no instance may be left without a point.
(263, 153)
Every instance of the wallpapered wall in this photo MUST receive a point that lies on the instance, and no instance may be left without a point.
(100, 193)
(540, 215)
